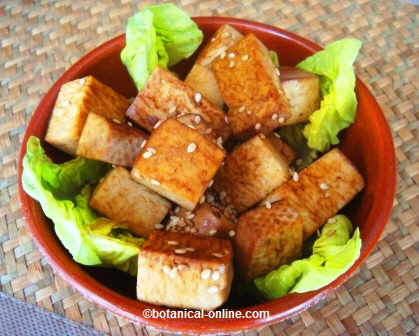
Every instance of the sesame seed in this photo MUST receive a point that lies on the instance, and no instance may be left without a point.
(166, 269)
(197, 119)
(220, 142)
(212, 232)
(182, 267)
(180, 251)
(331, 220)
(213, 289)
(211, 183)
(277, 135)
(231, 55)
(281, 120)
(213, 39)
(208, 130)
(274, 116)
(143, 144)
(190, 216)
(116, 121)
(242, 108)
(223, 194)
(155, 182)
(223, 54)
(190, 249)
(295, 176)
(113, 166)
(173, 273)
(129, 123)
(147, 154)
(157, 124)
(245, 57)
(159, 226)
(226, 119)
(192, 126)
(173, 242)
(198, 97)
(206, 273)
(215, 275)
(202, 200)
(231, 233)
(277, 72)
(231, 64)
(226, 34)
(258, 126)
(191, 148)
(218, 255)
(323, 186)
(268, 205)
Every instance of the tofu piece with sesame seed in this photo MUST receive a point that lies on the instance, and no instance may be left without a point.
(266, 238)
(74, 102)
(205, 220)
(178, 162)
(119, 197)
(287, 152)
(196, 122)
(201, 76)
(165, 96)
(321, 190)
(185, 271)
(302, 89)
(251, 172)
(104, 140)
(250, 85)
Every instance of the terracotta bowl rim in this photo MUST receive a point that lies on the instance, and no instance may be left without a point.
(131, 309)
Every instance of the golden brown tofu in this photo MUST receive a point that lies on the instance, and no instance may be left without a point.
(267, 238)
(185, 271)
(178, 163)
(303, 92)
(75, 100)
(286, 151)
(104, 140)
(249, 83)
(119, 197)
(321, 190)
(251, 172)
(201, 77)
(165, 96)
(205, 220)
(196, 122)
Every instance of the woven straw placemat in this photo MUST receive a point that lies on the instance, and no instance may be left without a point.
(39, 39)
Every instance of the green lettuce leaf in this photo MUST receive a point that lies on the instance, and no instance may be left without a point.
(334, 252)
(337, 83)
(274, 57)
(158, 35)
(89, 241)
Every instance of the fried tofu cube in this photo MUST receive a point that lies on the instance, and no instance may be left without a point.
(250, 85)
(107, 141)
(74, 102)
(287, 152)
(201, 76)
(165, 96)
(205, 220)
(267, 238)
(178, 163)
(302, 89)
(185, 271)
(321, 190)
(119, 197)
(251, 172)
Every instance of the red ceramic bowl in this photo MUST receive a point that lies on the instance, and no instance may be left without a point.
(368, 143)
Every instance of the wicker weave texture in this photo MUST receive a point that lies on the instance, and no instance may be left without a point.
(39, 39)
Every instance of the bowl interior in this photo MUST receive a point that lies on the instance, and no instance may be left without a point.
(367, 143)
